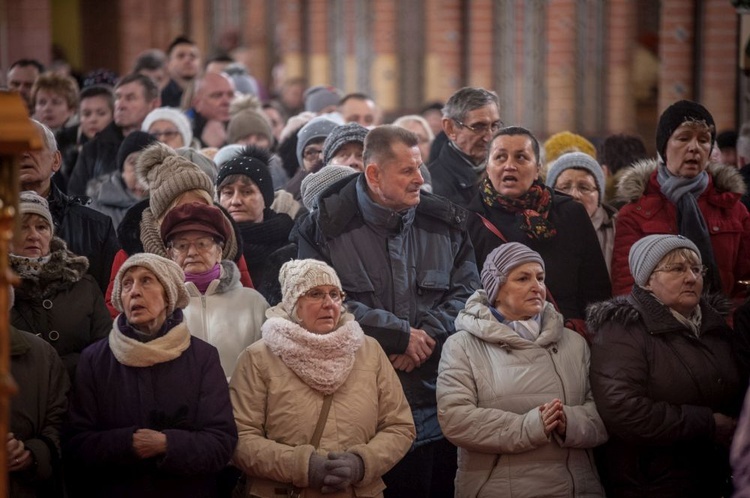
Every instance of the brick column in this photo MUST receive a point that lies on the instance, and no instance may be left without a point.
(480, 44)
(29, 32)
(442, 48)
(675, 52)
(384, 72)
(720, 63)
(561, 63)
(618, 96)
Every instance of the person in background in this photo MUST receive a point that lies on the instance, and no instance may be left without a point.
(419, 126)
(213, 95)
(169, 126)
(359, 108)
(21, 77)
(55, 100)
(183, 65)
(310, 139)
(153, 63)
(564, 142)
(344, 146)
(276, 118)
(248, 125)
(726, 142)
(616, 153)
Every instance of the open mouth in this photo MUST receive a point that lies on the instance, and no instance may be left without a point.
(509, 179)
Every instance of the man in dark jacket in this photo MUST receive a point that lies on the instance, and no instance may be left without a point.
(135, 96)
(87, 232)
(470, 117)
(407, 266)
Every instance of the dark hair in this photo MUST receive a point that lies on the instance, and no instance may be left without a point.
(726, 139)
(379, 142)
(219, 58)
(466, 99)
(180, 40)
(150, 90)
(356, 96)
(513, 131)
(99, 91)
(26, 63)
(287, 151)
(433, 106)
(150, 60)
(620, 151)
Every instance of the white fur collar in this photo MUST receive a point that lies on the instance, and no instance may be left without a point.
(134, 353)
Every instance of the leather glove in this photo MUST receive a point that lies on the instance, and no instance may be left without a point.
(316, 471)
(342, 470)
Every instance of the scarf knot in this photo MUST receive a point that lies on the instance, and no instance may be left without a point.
(531, 209)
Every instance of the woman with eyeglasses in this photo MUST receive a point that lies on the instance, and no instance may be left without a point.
(318, 406)
(169, 126)
(580, 176)
(221, 311)
(667, 377)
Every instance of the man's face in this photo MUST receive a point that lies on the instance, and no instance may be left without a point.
(37, 167)
(396, 184)
(158, 76)
(131, 106)
(184, 61)
(472, 134)
(21, 79)
(214, 97)
(359, 111)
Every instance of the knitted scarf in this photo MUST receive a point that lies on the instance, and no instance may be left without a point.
(322, 361)
(168, 345)
(531, 208)
(259, 240)
(204, 279)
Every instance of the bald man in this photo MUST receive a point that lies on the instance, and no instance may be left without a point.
(210, 111)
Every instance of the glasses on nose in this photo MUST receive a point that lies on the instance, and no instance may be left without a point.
(318, 295)
(169, 134)
(311, 154)
(680, 269)
(480, 128)
(582, 188)
(182, 246)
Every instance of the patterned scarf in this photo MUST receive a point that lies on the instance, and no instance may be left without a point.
(531, 208)
(28, 267)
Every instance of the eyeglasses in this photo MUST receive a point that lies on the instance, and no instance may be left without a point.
(581, 187)
(481, 128)
(318, 295)
(182, 246)
(680, 269)
(166, 134)
(311, 153)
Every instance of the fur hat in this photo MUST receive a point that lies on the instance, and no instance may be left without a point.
(319, 97)
(319, 127)
(501, 261)
(315, 183)
(252, 162)
(247, 120)
(29, 202)
(299, 276)
(342, 135)
(174, 116)
(647, 252)
(676, 114)
(577, 160)
(167, 175)
(168, 273)
(134, 142)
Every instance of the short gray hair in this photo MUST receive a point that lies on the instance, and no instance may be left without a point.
(466, 100)
(49, 138)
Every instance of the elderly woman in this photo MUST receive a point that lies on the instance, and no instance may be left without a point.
(581, 177)
(535, 415)
(169, 126)
(318, 406)
(150, 413)
(56, 299)
(221, 311)
(666, 378)
(681, 192)
(514, 205)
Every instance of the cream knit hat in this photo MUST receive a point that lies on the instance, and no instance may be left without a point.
(170, 276)
(29, 202)
(299, 276)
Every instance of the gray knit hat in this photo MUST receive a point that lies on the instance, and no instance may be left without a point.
(501, 261)
(342, 135)
(319, 127)
(300, 275)
(647, 252)
(319, 97)
(577, 160)
(170, 276)
(202, 161)
(314, 184)
(29, 202)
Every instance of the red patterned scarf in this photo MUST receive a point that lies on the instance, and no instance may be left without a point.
(531, 209)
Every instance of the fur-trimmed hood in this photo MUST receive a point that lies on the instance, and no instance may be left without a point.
(634, 180)
(60, 273)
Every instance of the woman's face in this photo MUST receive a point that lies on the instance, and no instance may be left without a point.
(167, 132)
(319, 309)
(512, 166)
(96, 114)
(33, 239)
(312, 155)
(688, 150)
(243, 200)
(52, 109)
(523, 295)
(579, 184)
(144, 300)
(194, 251)
(129, 175)
(677, 281)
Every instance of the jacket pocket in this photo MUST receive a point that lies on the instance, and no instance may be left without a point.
(433, 281)
(265, 488)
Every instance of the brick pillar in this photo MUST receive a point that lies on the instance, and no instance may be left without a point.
(442, 48)
(720, 63)
(384, 72)
(29, 32)
(561, 64)
(319, 72)
(619, 99)
(676, 33)
(289, 35)
(480, 43)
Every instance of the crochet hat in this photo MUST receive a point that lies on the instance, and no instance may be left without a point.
(577, 160)
(315, 183)
(501, 261)
(565, 141)
(174, 116)
(253, 163)
(340, 136)
(29, 202)
(248, 122)
(168, 273)
(167, 175)
(319, 127)
(319, 97)
(676, 114)
(196, 216)
(647, 252)
(300, 275)
(135, 142)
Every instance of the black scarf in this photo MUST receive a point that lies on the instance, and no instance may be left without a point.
(261, 239)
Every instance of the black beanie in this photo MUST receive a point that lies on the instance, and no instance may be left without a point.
(253, 163)
(676, 114)
(135, 142)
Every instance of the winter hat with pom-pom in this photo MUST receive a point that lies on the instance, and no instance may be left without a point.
(251, 162)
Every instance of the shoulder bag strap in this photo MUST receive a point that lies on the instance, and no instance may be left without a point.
(492, 228)
(315, 441)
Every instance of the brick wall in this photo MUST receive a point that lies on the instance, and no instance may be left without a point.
(719, 83)
(29, 32)
(561, 66)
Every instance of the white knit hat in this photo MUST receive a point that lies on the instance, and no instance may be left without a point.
(300, 275)
(29, 202)
(174, 116)
(170, 276)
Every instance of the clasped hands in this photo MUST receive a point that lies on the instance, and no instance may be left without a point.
(553, 417)
(19, 458)
(148, 443)
(419, 350)
(335, 473)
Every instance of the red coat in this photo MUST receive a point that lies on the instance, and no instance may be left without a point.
(649, 212)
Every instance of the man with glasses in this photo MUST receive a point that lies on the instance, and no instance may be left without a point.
(470, 117)
(310, 139)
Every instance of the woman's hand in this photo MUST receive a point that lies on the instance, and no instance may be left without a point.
(553, 417)
(148, 443)
(19, 458)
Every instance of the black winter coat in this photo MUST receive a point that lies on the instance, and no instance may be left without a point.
(452, 177)
(97, 157)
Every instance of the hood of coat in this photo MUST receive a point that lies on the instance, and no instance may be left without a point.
(60, 273)
(229, 279)
(634, 180)
(477, 319)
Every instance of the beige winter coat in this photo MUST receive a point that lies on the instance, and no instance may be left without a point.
(491, 383)
(276, 414)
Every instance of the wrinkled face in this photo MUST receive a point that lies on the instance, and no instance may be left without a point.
(21, 79)
(677, 282)
(194, 251)
(131, 106)
(359, 111)
(349, 155)
(473, 133)
(144, 300)
(167, 132)
(276, 120)
(95, 115)
(159, 76)
(32, 240)
(214, 97)
(523, 295)
(396, 183)
(243, 200)
(512, 166)
(51, 108)
(312, 154)
(319, 309)
(129, 176)
(424, 140)
(37, 167)
(579, 184)
(688, 150)
(184, 61)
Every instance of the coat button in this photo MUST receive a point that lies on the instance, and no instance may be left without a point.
(715, 229)
(53, 335)
(47, 304)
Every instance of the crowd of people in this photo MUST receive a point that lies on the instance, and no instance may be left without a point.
(230, 292)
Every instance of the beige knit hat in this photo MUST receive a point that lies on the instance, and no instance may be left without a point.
(300, 275)
(167, 175)
(170, 276)
(29, 202)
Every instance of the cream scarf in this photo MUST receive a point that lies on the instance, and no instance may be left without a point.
(133, 353)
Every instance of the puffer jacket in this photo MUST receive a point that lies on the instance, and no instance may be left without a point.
(657, 386)
(649, 212)
(228, 316)
(276, 414)
(490, 387)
